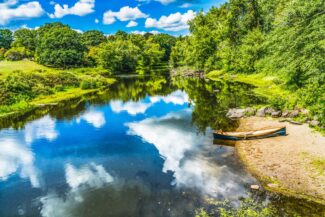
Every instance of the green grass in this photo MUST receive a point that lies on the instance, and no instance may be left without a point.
(6, 67)
(269, 87)
(61, 96)
(64, 93)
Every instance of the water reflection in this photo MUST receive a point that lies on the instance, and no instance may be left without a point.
(132, 108)
(177, 97)
(41, 128)
(80, 180)
(144, 148)
(190, 156)
(93, 117)
(16, 157)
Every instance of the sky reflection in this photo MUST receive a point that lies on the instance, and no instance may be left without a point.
(190, 155)
(79, 179)
(93, 117)
(111, 161)
(17, 158)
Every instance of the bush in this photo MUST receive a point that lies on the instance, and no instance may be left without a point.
(88, 84)
(17, 53)
(2, 53)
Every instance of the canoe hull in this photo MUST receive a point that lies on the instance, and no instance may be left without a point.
(223, 136)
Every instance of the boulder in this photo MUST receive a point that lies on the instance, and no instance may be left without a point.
(285, 113)
(294, 113)
(261, 112)
(250, 111)
(314, 123)
(235, 113)
(269, 111)
(276, 114)
(304, 111)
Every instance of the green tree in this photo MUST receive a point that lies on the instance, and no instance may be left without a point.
(92, 38)
(25, 38)
(119, 56)
(151, 56)
(59, 46)
(5, 38)
(166, 42)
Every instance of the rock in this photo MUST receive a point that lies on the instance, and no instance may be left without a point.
(285, 113)
(250, 111)
(294, 114)
(261, 112)
(314, 123)
(304, 111)
(272, 185)
(255, 187)
(269, 111)
(276, 114)
(236, 113)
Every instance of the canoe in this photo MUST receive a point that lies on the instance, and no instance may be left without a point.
(257, 134)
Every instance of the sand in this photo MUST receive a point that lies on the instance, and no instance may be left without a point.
(286, 164)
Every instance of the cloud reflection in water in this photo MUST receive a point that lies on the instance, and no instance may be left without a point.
(41, 128)
(17, 158)
(95, 118)
(80, 180)
(133, 108)
(177, 98)
(190, 156)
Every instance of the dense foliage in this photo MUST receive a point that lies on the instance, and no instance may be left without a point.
(284, 39)
(57, 45)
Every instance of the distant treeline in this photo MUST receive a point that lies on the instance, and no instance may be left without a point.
(57, 45)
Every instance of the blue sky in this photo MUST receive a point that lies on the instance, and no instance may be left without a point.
(108, 16)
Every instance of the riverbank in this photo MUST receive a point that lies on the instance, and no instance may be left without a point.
(293, 165)
(26, 85)
(279, 98)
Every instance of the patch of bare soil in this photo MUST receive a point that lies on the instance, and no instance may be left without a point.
(292, 164)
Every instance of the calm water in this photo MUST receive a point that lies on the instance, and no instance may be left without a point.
(142, 149)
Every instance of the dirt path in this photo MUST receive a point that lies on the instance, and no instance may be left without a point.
(292, 164)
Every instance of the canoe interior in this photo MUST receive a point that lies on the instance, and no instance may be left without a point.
(250, 135)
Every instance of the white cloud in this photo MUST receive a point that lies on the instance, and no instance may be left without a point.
(95, 118)
(96, 20)
(132, 24)
(164, 2)
(173, 22)
(132, 108)
(190, 156)
(80, 8)
(144, 32)
(9, 12)
(186, 5)
(41, 128)
(125, 14)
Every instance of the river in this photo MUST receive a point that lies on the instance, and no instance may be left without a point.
(142, 148)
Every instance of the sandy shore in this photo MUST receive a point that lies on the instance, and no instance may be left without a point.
(293, 165)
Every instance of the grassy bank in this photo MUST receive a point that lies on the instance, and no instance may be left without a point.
(278, 96)
(25, 85)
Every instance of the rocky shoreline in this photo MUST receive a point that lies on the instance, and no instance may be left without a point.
(284, 116)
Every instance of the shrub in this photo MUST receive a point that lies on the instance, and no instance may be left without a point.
(17, 53)
(2, 53)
